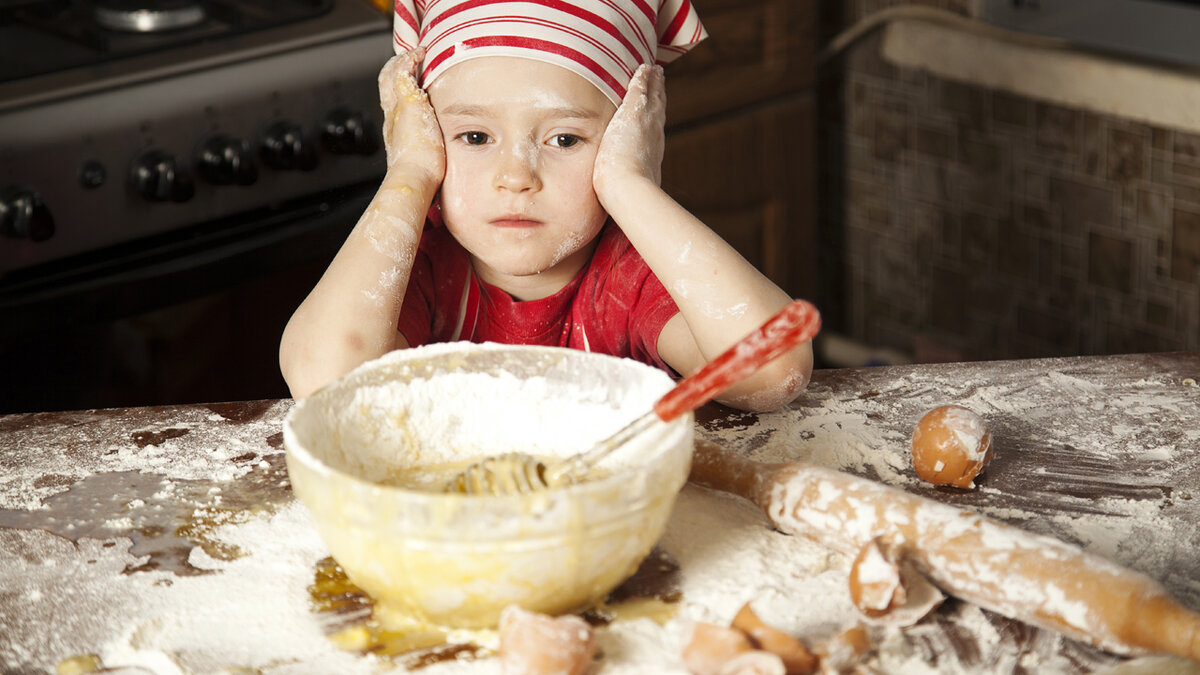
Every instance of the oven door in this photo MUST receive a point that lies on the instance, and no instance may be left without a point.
(191, 317)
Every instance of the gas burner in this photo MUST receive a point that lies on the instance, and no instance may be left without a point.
(136, 17)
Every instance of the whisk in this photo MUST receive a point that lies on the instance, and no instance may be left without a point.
(520, 473)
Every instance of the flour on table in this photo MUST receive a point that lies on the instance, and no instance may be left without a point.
(189, 447)
(253, 611)
(836, 429)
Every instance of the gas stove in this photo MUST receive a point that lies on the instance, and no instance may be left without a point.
(49, 37)
(124, 121)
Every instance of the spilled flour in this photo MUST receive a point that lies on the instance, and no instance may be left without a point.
(236, 598)
(1114, 515)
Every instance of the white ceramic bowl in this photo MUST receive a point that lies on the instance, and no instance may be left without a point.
(457, 561)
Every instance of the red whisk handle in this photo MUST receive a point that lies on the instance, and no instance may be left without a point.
(796, 323)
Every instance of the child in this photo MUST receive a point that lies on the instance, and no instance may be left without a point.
(521, 203)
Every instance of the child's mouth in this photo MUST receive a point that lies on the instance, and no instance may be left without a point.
(515, 222)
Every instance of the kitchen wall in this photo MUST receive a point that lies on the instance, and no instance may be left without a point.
(961, 221)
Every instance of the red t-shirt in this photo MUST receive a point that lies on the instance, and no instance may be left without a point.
(615, 305)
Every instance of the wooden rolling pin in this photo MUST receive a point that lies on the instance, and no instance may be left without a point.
(1029, 577)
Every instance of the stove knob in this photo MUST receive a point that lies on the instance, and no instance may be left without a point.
(284, 147)
(346, 132)
(24, 215)
(224, 160)
(92, 174)
(160, 176)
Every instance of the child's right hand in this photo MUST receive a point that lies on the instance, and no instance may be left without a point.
(412, 137)
(634, 141)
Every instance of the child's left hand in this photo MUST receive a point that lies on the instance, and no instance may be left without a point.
(633, 143)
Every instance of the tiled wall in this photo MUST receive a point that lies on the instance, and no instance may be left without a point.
(963, 222)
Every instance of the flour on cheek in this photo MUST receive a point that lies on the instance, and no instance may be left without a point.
(572, 243)
(454, 203)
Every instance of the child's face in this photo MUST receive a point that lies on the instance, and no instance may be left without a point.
(521, 138)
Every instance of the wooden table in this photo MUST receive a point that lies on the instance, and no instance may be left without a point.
(1103, 452)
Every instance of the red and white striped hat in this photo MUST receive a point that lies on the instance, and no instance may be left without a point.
(602, 40)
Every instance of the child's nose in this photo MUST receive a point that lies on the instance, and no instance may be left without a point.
(517, 170)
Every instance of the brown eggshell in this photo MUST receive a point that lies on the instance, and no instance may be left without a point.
(922, 598)
(888, 590)
(796, 658)
(710, 647)
(537, 644)
(950, 446)
(875, 586)
(756, 662)
(845, 650)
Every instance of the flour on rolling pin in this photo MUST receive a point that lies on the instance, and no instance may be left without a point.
(1117, 518)
(1038, 579)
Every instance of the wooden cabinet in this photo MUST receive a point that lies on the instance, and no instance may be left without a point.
(751, 178)
(741, 133)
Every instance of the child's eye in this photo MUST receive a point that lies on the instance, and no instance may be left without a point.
(565, 140)
(474, 137)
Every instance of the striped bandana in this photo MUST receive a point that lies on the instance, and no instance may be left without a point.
(602, 40)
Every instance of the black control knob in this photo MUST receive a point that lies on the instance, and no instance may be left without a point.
(24, 215)
(160, 176)
(92, 174)
(225, 160)
(347, 132)
(284, 147)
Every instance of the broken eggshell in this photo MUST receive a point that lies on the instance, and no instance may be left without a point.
(845, 651)
(796, 658)
(887, 589)
(755, 662)
(708, 647)
(532, 643)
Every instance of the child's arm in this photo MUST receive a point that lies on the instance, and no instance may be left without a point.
(350, 316)
(721, 296)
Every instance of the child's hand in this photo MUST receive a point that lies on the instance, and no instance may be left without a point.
(411, 135)
(633, 143)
